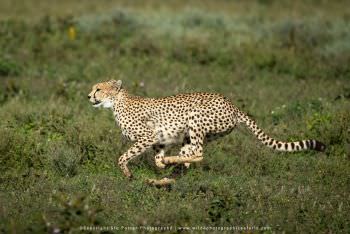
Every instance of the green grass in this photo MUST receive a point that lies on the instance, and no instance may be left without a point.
(286, 63)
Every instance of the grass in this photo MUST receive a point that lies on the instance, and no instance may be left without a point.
(286, 63)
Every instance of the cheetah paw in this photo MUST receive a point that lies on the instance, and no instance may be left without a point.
(162, 182)
(160, 164)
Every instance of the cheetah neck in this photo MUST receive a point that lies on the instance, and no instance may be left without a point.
(119, 100)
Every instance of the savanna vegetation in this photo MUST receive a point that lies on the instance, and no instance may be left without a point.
(286, 63)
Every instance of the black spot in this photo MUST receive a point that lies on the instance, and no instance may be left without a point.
(286, 146)
(279, 145)
(292, 144)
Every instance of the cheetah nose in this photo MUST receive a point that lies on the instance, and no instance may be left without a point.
(89, 96)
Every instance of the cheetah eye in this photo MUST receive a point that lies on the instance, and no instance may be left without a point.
(98, 90)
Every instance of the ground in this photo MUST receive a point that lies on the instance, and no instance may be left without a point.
(285, 63)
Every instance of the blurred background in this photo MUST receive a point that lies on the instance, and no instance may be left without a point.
(285, 63)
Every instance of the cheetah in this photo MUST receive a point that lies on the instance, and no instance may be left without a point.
(190, 119)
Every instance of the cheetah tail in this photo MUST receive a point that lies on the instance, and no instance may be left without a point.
(280, 145)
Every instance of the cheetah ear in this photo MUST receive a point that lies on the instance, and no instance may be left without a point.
(117, 84)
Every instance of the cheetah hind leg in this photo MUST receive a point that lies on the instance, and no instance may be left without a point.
(190, 152)
(159, 156)
(186, 156)
(186, 147)
(182, 159)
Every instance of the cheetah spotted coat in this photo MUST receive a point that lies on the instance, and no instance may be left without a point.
(189, 119)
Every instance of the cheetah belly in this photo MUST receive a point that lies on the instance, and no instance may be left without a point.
(168, 133)
(167, 137)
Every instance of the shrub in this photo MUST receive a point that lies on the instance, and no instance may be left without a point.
(64, 159)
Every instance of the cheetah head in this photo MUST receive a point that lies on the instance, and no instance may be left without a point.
(104, 93)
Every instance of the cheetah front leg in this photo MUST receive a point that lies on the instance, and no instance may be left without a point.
(138, 148)
(162, 182)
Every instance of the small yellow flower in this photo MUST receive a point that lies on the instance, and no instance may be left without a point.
(72, 33)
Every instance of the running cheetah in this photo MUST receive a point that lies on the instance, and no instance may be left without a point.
(189, 119)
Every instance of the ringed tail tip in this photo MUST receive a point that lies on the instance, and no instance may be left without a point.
(320, 146)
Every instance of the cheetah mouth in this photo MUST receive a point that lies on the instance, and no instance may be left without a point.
(96, 103)
(104, 104)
